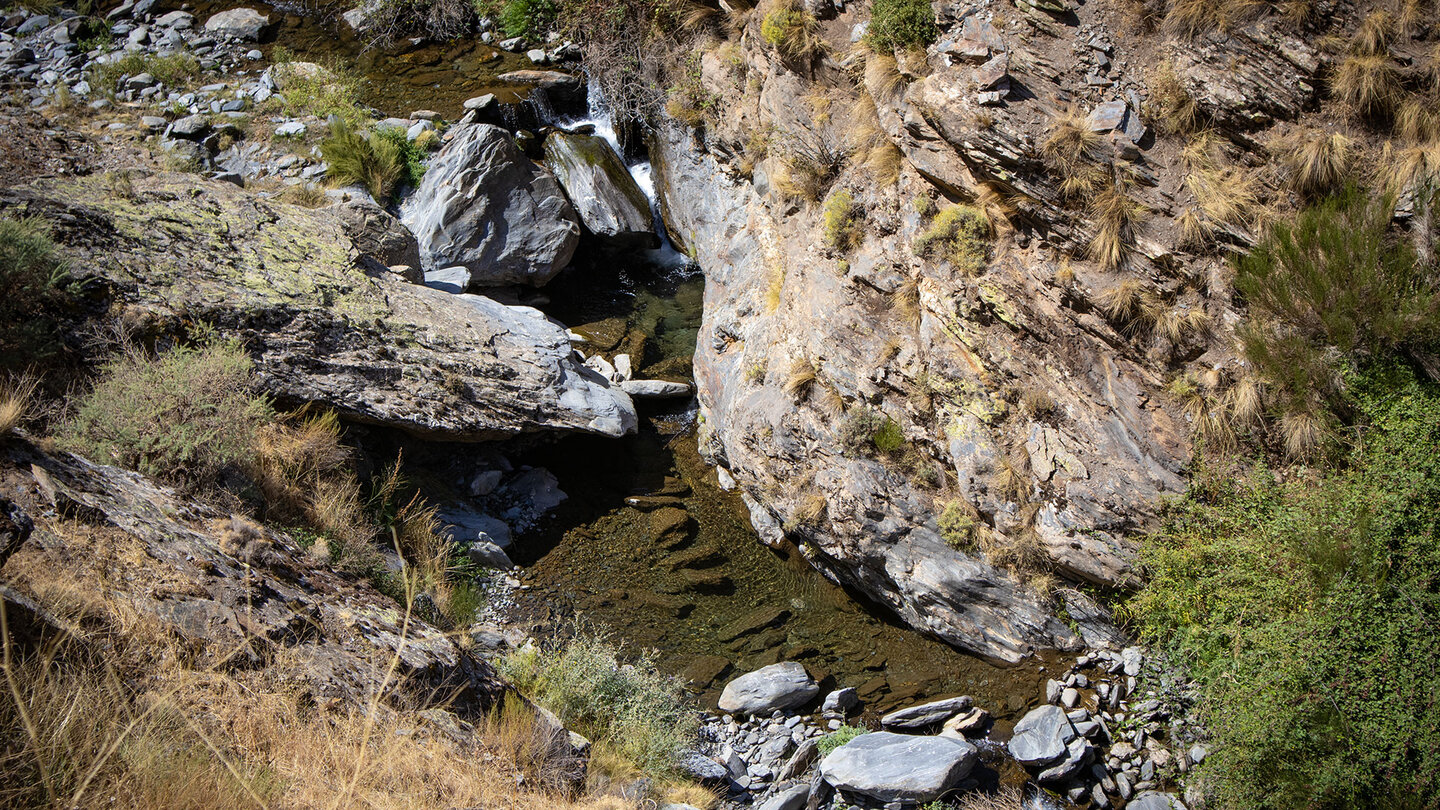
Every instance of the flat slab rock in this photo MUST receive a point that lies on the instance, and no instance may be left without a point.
(899, 767)
(319, 327)
(926, 714)
(1042, 736)
(779, 686)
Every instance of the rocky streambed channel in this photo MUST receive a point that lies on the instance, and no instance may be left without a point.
(536, 227)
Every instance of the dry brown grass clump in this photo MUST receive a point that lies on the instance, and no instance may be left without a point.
(1132, 305)
(801, 379)
(905, 303)
(1115, 216)
(1072, 149)
(1369, 84)
(15, 397)
(1175, 112)
(305, 195)
(1316, 162)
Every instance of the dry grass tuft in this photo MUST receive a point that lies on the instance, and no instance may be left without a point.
(1178, 324)
(883, 78)
(15, 398)
(1132, 304)
(1374, 34)
(801, 379)
(1226, 194)
(1302, 433)
(1012, 478)
(1115, 216)
(1176, 112)
(1417, 120)
(1073, 150)
(1368, 84)
(1316, 162)
(905, 303)
(793, 32)
(1006, 798)
(305, 195)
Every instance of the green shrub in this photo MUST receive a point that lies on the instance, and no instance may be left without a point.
(333, 90)
(528, 18)
(186, 416)
(839, 737)
(842, 229)
(378, 160)
(957, 526)
(30, 270)
(888, 438)
(174, 69)
(632, 706)
(901, 24)
(793, 32)
(1307, 608)
(864, 429)
(958, 234)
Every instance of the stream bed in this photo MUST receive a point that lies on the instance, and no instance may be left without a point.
(647, 546)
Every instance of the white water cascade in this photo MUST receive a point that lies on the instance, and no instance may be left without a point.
(599, 117)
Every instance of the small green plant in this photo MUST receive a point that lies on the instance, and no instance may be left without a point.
(888, 437)
(173, 69)
(842, 228)
(630, 705)
(30, 275)
(901, 24)
(839, 737)
(378, 160)
(529, 19)
(186, 416)
(957, 526)
(958, 234)
(321, 90)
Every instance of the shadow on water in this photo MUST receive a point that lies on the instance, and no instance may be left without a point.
(679, 569)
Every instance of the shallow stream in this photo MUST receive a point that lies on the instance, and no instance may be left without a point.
(680, 571)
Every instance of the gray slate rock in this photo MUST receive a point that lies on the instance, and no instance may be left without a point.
(926, 714)
(377, 233)
(191, 128)
(450, 279)
(840, 701)
(1041, 736)
(607, 198)
(655, 389)
(237, 23)
(483, 205)
(899, 767)
(1151, 800)
(789, 799)
(779, 686)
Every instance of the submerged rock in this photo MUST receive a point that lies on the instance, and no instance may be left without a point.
(611, 205)
(484, 205)
(778, 686)
(899, 767)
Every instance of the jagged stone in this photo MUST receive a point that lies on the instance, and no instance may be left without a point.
(899, 767)
(609, 202)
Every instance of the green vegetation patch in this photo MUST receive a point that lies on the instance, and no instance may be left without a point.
(30, 276)
(631, 706)
(842, 226)
(186, 416)
(960, 235)
(379, 160)
(1308, 610)
(901, 24)
(174, 69)
(839, 737)
(530, 19)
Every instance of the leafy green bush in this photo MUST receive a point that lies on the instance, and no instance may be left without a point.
(186, 416)
(528, 18)
(839, 737)
(1308, 607)
(959, 234)
(901, 24)
(957, 526)
(30, 270)
(378, 160)
(842, 230)
(632, 706)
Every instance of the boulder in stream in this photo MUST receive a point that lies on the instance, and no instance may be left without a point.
(237, 23)
(484, 205)
(609, 201)
(899, 767)
(779, 686)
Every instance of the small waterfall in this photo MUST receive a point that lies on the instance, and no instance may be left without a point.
(598, 117)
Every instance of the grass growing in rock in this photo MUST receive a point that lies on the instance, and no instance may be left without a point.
(174, 70)
(380, 160)
(30, 274)
(630, 708)
(839, 737)
(841, 221)
(793, 32)
(958, 234)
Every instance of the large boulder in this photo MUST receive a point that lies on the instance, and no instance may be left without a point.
(288, 281)
(778, 686)
(893, 767)
(610, 203)
(376, 233)
(484, 205)
(237, 23)
(1042, 736)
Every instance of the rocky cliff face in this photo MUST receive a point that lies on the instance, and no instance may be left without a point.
(324, 320)
(858, 342)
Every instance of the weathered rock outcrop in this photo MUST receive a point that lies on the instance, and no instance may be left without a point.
(285, 280)
(1036, 375)
(611, 205)
(486, 206)
(899, 767)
